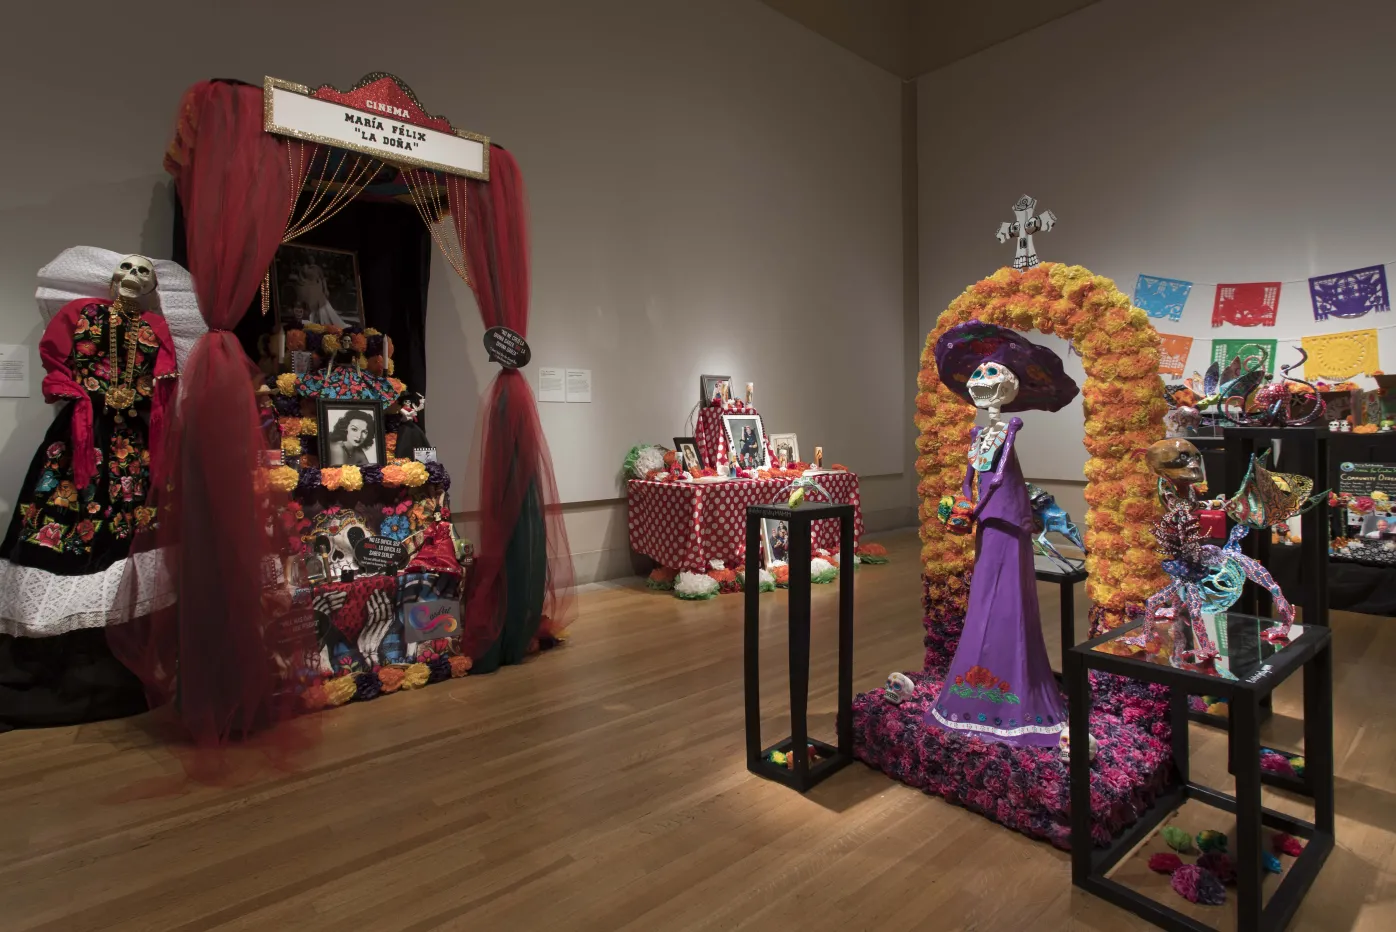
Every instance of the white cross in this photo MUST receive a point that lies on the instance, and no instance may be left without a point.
(1022, 230)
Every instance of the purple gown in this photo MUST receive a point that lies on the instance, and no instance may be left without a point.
(1000, 684)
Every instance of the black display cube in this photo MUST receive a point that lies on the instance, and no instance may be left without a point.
(1047, 570)
(1304, 450)
(801, 776)
(1246, 671)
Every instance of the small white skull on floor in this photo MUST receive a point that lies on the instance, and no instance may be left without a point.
(898, 687)
(1064, 747)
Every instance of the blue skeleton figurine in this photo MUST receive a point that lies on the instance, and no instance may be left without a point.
(1047, 516)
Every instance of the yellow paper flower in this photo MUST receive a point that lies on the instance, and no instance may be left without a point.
(286, 383)
(339, 691)
(329, 343)
(350, 478)
(309, 427)
(282, 478)
(414, 473)
(416, 676)
(291, 445)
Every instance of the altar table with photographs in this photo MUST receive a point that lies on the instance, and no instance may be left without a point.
(684, 525)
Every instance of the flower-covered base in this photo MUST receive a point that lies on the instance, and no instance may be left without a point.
(1027, 789)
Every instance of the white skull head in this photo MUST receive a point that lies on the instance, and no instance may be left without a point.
(992, 385)
(1064, 747)
(134, 277)
(898, 687)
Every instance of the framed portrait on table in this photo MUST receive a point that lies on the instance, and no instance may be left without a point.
(775, 540)
(689, 456)
(787, 449)
(351, 433)
(746, 441)
(710, 386)
(317, 285)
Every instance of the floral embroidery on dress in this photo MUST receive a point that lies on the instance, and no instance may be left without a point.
(85, 523)
(979, 683)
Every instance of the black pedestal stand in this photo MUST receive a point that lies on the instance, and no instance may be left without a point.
(802, 775)
(1307, 447)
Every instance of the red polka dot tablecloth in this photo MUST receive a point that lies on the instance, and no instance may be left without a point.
(684, 525)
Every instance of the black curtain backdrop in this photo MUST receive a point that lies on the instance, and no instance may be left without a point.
(394, 250)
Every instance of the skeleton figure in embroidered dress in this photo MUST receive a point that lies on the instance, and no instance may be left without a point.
(1023, 228)
(109, 367)
(999, 686)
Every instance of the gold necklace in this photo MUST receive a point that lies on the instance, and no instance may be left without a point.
(120, 395)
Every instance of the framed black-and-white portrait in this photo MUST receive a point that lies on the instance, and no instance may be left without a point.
(710, 386)
(775, 540)
(317, 285)
(746, 441)
(351, 433)
(689, 456)
(786, 449)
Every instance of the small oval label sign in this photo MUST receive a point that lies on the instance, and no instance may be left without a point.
(507, 348)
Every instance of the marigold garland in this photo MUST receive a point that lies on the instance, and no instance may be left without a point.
(460, 666)
(416, 676)
(332, 476)
(391, 678)
(1124, 407)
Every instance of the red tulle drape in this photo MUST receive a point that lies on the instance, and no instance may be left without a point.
(216, 651)
(516, 470)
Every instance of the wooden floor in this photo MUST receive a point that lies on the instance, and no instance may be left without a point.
(602, 787)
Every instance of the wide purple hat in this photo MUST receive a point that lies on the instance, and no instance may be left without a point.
(1043, 384)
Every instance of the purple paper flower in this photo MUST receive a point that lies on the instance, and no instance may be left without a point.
(437, 475)
(309, 480)
(440, 666)
(366, 686)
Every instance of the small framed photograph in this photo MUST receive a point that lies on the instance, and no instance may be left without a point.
(787, 449)
(714, 386)
(317, 285)
(775, 540)
(687, 448)
(351, 433)
(746, 441)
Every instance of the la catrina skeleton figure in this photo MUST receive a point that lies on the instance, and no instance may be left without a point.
(1205, 579)
(1000, 685)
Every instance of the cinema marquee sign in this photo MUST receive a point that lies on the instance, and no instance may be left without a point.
(379, 116)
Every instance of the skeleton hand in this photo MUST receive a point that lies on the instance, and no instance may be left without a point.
(379, 613)
(1046, 220)
(1007, 231)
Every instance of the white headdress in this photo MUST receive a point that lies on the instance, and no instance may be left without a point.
(85, 272)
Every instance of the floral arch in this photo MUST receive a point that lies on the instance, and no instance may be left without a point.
(1124, 408)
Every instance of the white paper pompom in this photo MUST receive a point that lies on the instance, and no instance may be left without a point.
(695, 586)
(647, 460)
(822, 571)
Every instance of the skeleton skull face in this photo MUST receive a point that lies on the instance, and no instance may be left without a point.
(1176, 460)
(898, 687)
(134, 277)
(992, 385)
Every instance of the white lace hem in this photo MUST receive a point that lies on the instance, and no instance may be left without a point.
(1001, 732)
(35, 603)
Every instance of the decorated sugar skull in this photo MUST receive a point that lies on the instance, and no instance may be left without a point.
(134, 277)
(1064, 746)
(992, 385)
(898, 687)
